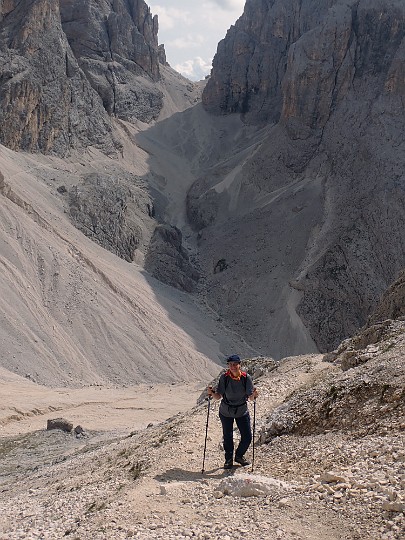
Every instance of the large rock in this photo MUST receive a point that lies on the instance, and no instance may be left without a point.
(249, 485)
(59, 423)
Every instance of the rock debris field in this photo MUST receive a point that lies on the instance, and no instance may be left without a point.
(336, 476)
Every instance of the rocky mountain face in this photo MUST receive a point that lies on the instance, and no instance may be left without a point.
(68, 69)
(68, 66)
(260, 41)
(115, 44)
(46, 102)
(287, 186)
(324, 224)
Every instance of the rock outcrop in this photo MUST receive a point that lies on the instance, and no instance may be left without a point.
(252, 60)
(110, 212)
(46, 102)
(367, 399)
(168, 261)
(162, 55)
(67, 66)
(116, 45)
(392, 302)
(323, 192)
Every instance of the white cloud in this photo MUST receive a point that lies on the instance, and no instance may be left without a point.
(195, 69)
(189, 41)
(170, 18)
(229, 5)
(191, 31)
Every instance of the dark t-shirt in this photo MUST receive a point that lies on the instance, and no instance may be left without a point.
(234, 395)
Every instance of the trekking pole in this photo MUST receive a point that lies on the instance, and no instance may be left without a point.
(206, 432)
(254, 429)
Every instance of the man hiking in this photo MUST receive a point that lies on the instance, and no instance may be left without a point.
(235, 387)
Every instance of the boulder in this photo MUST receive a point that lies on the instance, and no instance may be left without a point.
(79, 432)
(393, 506)
(59, 423)
(331, 477)
(249, 485)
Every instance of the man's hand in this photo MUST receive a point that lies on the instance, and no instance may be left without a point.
(254, 394)
(212, 394)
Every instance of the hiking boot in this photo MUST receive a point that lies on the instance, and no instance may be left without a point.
(242, 461)
(228, 464)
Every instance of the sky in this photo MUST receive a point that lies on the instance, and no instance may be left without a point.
(191, 29)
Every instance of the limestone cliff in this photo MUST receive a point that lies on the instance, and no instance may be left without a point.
(323, 193)
(115, 43)
(67, 66)
(251, 61)
(46, 102)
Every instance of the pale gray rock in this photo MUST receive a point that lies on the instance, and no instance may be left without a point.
(332, 477)
(393, 506)
(367, 343)
(249, 485)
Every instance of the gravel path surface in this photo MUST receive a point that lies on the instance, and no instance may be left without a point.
(149, 485)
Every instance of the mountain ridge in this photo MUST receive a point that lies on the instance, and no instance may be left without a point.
(305, 210)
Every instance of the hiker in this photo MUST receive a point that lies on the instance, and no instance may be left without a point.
(235, 387)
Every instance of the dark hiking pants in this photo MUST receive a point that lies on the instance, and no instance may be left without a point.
(243, 424)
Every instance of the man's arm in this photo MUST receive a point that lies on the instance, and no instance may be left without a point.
(254, 394)
(251, 390)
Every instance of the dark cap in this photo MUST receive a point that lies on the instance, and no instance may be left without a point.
(233, 358)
